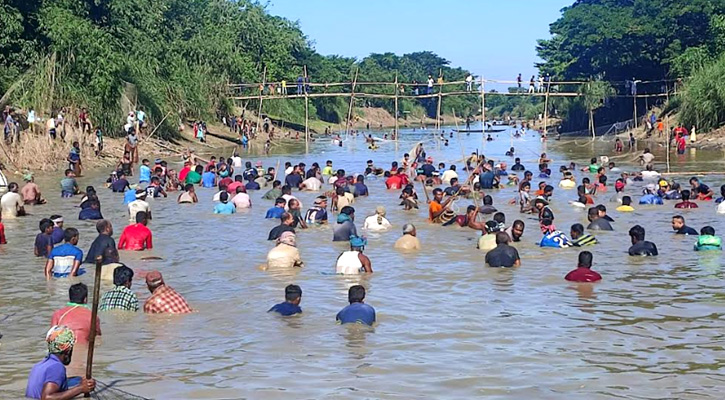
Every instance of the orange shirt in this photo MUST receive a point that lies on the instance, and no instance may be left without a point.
(434, 208)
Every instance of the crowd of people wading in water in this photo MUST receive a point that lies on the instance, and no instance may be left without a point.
(154, 183)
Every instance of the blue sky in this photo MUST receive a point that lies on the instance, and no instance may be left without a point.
(496, 38)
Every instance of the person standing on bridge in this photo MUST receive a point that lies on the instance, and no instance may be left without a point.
(300, 82)
(532, 86)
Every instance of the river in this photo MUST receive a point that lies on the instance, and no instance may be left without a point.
(448, 327)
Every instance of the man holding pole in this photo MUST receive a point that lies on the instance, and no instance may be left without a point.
(47, 379)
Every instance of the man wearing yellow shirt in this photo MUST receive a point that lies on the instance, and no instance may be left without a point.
(626, 205)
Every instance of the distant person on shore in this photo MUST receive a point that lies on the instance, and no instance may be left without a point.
(640, 247)
(291, 304)
(357, 312)
(583, 271)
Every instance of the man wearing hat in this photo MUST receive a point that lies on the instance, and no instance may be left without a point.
(140, 204)
(354, 261)
(47, 379)
(318, 213)
(542, 205)
(163, 298)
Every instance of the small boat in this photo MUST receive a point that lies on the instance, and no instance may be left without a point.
(479, 130)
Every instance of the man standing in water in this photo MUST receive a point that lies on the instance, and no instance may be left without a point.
(583, 271)
(503, 255)
(678, 225)
(357, 312)
(47, 379)
(291, 305)
(136, 236)
(76, 314)
(409, 240)
(163, 298)
(354, 262)
(640, 247)
(120, 297)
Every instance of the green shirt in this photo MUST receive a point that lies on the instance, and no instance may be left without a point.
(193, 177)
(272, 194)
(593, 168)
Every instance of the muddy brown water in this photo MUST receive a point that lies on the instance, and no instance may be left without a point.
(449, 327)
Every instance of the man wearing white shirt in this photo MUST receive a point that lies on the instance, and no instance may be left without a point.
(448, 175)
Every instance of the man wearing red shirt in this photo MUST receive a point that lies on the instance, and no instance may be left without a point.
(136, 237)
(184, 171)
(583, 272)
(76, 315)
(238, 181)
(397, 180)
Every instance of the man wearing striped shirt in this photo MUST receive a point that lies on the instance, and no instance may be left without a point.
(580, 238)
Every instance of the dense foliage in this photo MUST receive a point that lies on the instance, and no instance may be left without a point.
(617, 40)
(172, 57)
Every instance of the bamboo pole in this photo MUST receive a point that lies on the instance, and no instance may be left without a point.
(307, 112)
(94, 318)
(546, 109)
(261, 93)
(667, 138)
(396, 107)
(483, 112)
(352, 100)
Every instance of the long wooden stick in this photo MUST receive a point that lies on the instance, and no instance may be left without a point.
(155, 129)
(396, 107)
(94, 318)
(307, 112)
(352, 100)
(483, 112)
(261, 93)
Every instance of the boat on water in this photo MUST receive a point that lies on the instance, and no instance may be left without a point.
(479, 130)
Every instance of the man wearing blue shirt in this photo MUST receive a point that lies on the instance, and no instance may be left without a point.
(357, 312)
(65, 260)
(208, 178)
(225, 207)
(144, 175)
(291, 305)
(277, 210)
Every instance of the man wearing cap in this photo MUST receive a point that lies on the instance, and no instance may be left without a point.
(354, 262)
(138, 205)
(163, 298)
(345, 227)
(409, 240)
(136, 236)
(317, 214)
(542, 206)
(47, 379)
(285, 254)
(58, 233)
